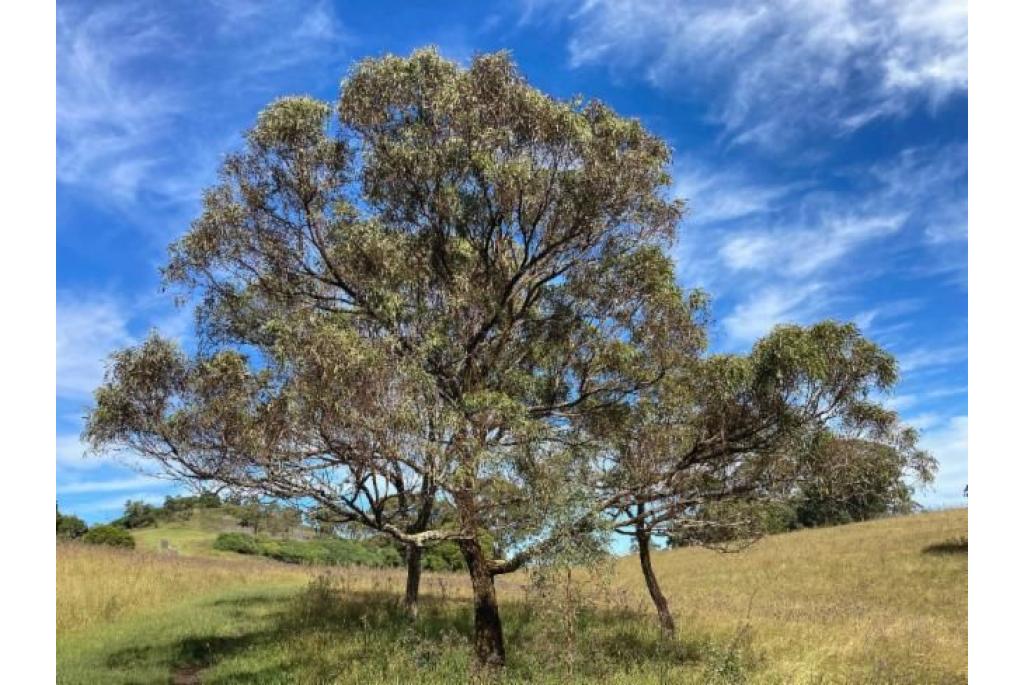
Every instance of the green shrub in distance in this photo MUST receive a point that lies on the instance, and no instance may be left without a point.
(109, 535)
(243, 543)
(70, 527)
(330, 552)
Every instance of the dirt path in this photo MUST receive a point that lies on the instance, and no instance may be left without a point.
(187, 675)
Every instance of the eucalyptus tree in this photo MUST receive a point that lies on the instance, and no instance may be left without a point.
(417, 295)
(700, 456)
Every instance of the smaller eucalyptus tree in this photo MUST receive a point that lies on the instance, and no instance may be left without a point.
(699, 457)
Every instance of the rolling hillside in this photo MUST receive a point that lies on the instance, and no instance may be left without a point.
(879, 602)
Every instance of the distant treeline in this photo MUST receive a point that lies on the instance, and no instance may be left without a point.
(270, 523)
(372, 552)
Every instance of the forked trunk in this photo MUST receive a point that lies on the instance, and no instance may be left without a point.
(413, 569)
(643, 541)
(488, 640)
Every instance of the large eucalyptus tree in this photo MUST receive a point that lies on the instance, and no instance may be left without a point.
(417, 295)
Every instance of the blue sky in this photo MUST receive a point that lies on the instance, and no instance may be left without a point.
(822, 147)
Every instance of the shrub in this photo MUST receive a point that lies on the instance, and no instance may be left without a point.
(243, 543)
(337, 552)
(70, 527)
(445, 556)
(137, 515)
(109, 535)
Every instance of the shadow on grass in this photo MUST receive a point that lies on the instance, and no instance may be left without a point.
(953, 546)
(323, 635)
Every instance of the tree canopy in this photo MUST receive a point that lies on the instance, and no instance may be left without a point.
(452, 288)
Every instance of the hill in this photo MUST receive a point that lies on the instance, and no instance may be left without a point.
(192, 537)
(878, 602)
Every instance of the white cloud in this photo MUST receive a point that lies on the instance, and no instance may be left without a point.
(139, 142)
(71, 455)
(774, 71)
(760, 312)
(930, 357)
(93, 325)
(116, 485)
(804, 251)
(947, 441)
(721, 195)
(89, 328)
(107, 121)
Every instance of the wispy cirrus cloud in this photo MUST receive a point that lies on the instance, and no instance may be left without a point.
(791, 249)
(108, 119)
(715, 195)
(931, 357)
(946, 439)
(141, 89)
(763, 309)
(89, 487)
(804, 251)
(773, 72)
(93, 324)
(89, 328)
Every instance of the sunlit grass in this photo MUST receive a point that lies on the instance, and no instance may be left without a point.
(882, 602)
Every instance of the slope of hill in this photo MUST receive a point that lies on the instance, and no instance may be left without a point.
(191, 537)
(879, 602)
(889, 594)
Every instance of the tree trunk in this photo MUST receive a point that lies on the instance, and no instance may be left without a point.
(413, 567)
(643, 542)
(488, 640)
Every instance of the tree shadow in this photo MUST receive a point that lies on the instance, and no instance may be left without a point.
(956, 545)
(375, 625)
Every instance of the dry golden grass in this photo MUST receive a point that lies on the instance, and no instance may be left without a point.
(866, 600)
(864, 603)
(97, 584)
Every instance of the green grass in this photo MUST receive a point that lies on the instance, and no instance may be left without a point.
(280, 635)
(193, 537)
(883, 602)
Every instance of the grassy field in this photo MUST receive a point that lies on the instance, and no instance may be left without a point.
(881, 602)
(189, 538)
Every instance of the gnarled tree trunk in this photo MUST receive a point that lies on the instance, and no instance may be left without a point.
(413, 569)
(488, 639)
(414, 554)
(643, 542)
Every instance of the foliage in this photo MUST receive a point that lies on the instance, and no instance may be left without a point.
(181, 507)
(111, 535)
(236, 542)
(320, 552)
(444, 556)
(864, 480)
(137, 514)
(70, 527)
(452, 288)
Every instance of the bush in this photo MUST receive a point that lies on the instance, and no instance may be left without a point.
(243, 543)
(445, 556)
(70, 527)
(137, 515)
(109, 535)
(311, 552)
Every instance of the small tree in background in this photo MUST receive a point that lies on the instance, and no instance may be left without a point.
(137, 514)
(854, 479)
(70, 527)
